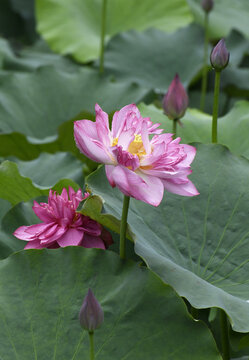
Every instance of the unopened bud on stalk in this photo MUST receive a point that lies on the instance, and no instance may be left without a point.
(91, 314)
(175, 102)
(207, 5)
(219, 57)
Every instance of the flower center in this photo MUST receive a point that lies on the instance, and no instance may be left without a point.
(136, 147)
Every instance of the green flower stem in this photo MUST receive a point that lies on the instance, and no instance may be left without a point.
(91, 334)
(204, 71)
(216, 106)
(102, 40)
(174, 129)
(224, 335)
(123, 226)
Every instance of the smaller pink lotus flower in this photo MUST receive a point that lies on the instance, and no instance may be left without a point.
(62, 225)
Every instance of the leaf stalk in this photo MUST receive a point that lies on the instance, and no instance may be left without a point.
(216, 106)
(123, 227)
(91, 340)
(204, 71)
(102, 38)
(224, 335)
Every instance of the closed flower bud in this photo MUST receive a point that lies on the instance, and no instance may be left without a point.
(219, 57)
(175, 102)
(207, 5)
(91, 314)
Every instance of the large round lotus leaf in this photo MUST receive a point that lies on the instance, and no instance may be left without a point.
(224, 104)
(74, 27)
(16, 144)
(226, 15)
(233, 128)
(4, 207)
(21, 214)
(235, 82)
(5, 250)
(198, 245)
(26, 10)
(10, 23)
(16, 188)
(52, 97)
(152, 58)
(32, 57)
(5, 51)
(48, 169)
(238, 46)
(42, 292)
(24, 7)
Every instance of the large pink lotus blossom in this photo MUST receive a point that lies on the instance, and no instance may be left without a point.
(62, 226)
(139, 166)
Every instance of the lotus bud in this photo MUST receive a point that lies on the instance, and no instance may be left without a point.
(175, 102)
(207, 5)
(91, 314)
(219, 57)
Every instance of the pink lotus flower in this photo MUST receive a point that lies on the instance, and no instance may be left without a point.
(139, 166)
(62, 225)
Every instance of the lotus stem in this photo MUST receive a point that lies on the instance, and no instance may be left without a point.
(224, 335)
(204, 71)
(174, 130)
(122, 248)
(216, 106)
(91, 339)
(102, 40)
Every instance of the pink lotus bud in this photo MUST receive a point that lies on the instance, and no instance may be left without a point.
(219, 57)
(91, 314)
(175, 102)
(207, 5)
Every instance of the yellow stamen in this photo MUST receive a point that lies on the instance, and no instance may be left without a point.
(136, 147)
(115, 142)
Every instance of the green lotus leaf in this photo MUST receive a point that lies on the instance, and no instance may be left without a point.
(10, 23)
(16, 188)
(233, 128)
(30, 58)
(238, 47)
(73, 27)
(152, 58)
(42, 292)
(197, 245)
(49, 169)
(51, 99)
(226, 15)
(4, 207)
(19, 215)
